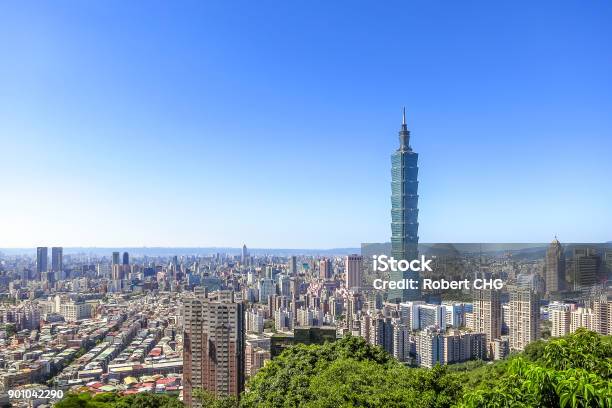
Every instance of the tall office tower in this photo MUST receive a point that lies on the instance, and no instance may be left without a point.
(41, 260)
(116, 258)
(353, 265)
(555, 267)
(486, 313)
(404, 212)
(325, 269)
(524, 325)
(608, 262)
(126, 258)
(57, 259)
(244, 255)
(293, 265)
(585, 267)
(213, 354)
(117, 272)
(560, 318)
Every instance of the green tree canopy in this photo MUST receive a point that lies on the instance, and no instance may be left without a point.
(347, 373)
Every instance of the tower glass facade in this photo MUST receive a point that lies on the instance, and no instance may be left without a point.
(555, 267)
(404, 211)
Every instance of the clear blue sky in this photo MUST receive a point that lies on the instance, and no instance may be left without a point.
(271, 122)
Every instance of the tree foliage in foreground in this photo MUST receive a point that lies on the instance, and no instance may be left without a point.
(572, 371)
(349, 373)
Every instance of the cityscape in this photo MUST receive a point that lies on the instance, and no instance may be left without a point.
(89, 321)
(305, 204)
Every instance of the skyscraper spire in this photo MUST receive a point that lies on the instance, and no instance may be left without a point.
(404, 134)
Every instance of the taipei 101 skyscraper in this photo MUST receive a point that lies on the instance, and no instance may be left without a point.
(404, 212)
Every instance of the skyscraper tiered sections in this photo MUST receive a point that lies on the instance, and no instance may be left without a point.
(404, 211)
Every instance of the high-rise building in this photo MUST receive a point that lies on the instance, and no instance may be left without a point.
(431, 315)
(255, 321)
(325, 269)
(42, 258)
(381, 332)
(126, 258)
(293, 265)
(608, 262)
(307, 317)
(245, 254)
(401, 341)
(57, 259)
(404, 212)
(486, 313)
(455, 313)
(560, 318)
(585, 267)
(283, 319)
(213, 354)
(353, 265)
(602, 308)
(583, 317)
(116, 258)
(555, 267)
(524, 324)
(430, 348)
(266, 288)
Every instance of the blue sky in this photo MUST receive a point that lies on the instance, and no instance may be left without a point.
(271, 122)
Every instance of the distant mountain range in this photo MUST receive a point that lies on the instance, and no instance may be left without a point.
(367, 249)
(188, 251)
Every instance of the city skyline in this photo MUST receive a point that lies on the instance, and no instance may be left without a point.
(207, 204)
(280, 137)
